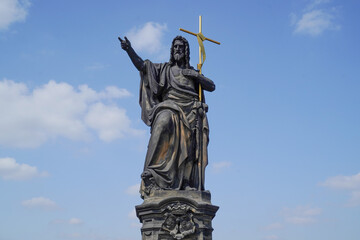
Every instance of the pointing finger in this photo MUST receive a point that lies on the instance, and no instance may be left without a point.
(120, 39)
(126, 39)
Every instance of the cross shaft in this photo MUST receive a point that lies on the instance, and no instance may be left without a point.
(202, 54)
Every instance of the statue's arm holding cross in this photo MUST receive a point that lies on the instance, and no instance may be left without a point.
(202, 55)
(203, 81)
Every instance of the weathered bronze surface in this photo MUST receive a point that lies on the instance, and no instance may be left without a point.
(169, 98)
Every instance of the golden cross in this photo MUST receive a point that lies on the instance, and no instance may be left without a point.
(202, 54)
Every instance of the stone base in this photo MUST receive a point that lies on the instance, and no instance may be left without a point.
(172, 214)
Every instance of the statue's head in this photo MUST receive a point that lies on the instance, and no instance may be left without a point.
(180, 51)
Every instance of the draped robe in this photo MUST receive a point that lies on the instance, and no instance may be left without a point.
(177, 149)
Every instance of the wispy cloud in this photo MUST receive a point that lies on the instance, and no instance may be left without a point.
(355, 199)
(274, 226)
(40, 202)
(136, 225)
(315, 3)
(301, 215)
(343, 182)
(132, 214)
(133, 190)
(350, 183)
(12, 11)
(11, 170)
(271, 237)
(315, 19)
(148, 38)
(71, 221)
(220, 166)
(75, 221)
(30, 118)
(88, 236)
(134, 220)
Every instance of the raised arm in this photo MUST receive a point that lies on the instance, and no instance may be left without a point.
(206, 83)
(135, 59)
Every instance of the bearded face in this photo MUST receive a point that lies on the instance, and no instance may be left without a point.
(179, 50)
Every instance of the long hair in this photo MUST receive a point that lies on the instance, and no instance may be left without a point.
(187, 51)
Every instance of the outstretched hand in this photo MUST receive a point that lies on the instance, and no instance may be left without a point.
(125, 44)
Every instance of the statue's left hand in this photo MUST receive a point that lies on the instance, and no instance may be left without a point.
(190, 73)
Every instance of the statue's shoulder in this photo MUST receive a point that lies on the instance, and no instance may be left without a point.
(161, 65)
(156, 68)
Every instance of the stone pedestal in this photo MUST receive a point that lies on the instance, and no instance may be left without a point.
(171, 214)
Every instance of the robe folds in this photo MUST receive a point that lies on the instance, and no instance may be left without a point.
(177, 150)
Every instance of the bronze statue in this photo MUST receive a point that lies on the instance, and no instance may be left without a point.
(169, 98)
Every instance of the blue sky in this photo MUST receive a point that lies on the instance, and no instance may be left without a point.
(284, 152)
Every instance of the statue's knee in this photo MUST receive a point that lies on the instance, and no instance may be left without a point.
(165, 119)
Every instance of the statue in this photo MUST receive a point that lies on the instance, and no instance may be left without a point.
(169, 98)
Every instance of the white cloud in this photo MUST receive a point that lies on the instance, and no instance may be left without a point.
(350, 183)
(110, 122)
(133, 190)
(343, 182)
(316, 22)
(301, 215)
(219, 166)
(12, 11)
(11, 170)
(148, 37)
(39, 202)
(29, 119)
(315, 19)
